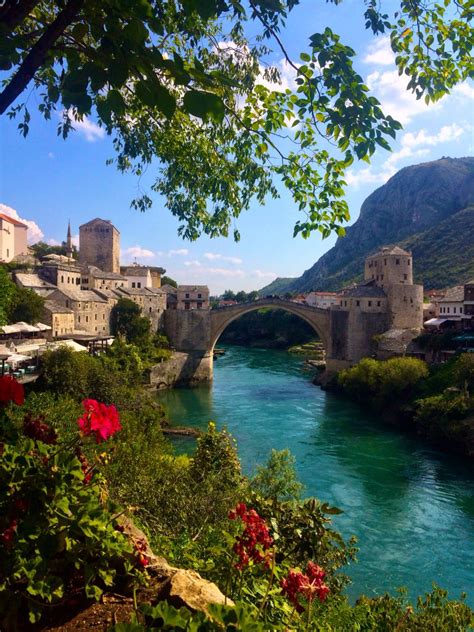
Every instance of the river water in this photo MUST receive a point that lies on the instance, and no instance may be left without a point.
(410, 506)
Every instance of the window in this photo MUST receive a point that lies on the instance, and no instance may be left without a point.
(378, 303)
(187, 305)
(358, 303)
(199, 295)
(397, 261)
(408, 262)
(69, 279)
(381, 277)
(448, 310)
(78, 319)
(133, 283)
(96, 319)
(139, 284)
(199, 305)
(385, 262)
(87, 319)
(8, 252)
(67, 303)
(187, 295)
(454, 310)
(369, 303)
(62, 279)
(405, 277)
(460, 310)
(149, 309)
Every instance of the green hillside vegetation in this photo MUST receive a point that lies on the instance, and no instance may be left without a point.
(426, 208)
(444, 255)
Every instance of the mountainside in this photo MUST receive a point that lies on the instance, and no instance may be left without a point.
(427, 208)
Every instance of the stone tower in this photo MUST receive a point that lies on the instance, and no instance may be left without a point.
(391, 269)
(99, 245)
(69, 250)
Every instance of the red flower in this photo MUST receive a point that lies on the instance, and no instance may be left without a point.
(98, 419)
(85, 467)
(255, 540)
(11, 391)
(36, 429)
(308, 586)
(8, 535)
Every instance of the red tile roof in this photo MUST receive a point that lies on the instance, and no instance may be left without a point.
(12, 220)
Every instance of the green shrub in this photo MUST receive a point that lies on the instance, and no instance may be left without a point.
(393, 381)
(57, 532)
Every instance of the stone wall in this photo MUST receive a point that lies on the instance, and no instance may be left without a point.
(406, 306)
(99, 245)
(182, 369)
(188, 330)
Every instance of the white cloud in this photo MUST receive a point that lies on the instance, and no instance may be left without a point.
(260, 274)
(446, 134)
(215, 256)
(75, 240)
(193, 264)
(380, 53)
(181, 252)
(464, 90)
(390, 88)
(34, 232)
(50, 155)
(413, 145)
(90, 130)
(137, 252)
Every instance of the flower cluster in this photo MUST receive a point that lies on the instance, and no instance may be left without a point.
(11, 391)
(307, 586)
(99, 419)
(35, 428)
(255, 541)
(8, 535)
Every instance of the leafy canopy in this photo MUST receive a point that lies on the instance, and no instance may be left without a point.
(179, 80)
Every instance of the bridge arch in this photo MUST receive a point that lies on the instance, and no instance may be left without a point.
(317, 318)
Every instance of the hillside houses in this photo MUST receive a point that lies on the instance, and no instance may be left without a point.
(80, 295)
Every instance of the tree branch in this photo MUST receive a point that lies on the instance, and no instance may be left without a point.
(12, 14)
(37, 54)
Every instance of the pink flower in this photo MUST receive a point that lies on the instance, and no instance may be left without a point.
(99, 419)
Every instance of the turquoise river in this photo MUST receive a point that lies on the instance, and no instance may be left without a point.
(410, 506)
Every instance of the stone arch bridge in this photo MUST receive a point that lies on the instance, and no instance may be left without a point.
(221, 317)
(346, 336)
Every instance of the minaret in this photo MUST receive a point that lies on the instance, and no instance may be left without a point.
(69, 250)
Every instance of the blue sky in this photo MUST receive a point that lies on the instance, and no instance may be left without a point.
(47, 181)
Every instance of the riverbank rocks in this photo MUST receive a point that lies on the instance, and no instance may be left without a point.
(178, 586)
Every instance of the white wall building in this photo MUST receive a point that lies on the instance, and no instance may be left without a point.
(12, 238)
(452, 304)
(324, 300)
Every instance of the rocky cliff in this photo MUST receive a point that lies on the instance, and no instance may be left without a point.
(427, 208)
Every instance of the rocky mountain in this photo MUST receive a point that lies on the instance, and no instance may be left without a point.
(427, 208)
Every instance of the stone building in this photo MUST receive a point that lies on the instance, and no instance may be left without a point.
(192, 297)
(91, 310)
(13, 238)
(59, 318)
(451, 305)
(152, 302)
(95, 279)
(142, 276)
(61, 271)
(99, 245)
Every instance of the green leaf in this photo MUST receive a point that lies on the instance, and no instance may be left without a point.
(153, 94)
(204, 104)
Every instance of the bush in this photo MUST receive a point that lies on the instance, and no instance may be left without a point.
(58, 539)
(383, 383)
